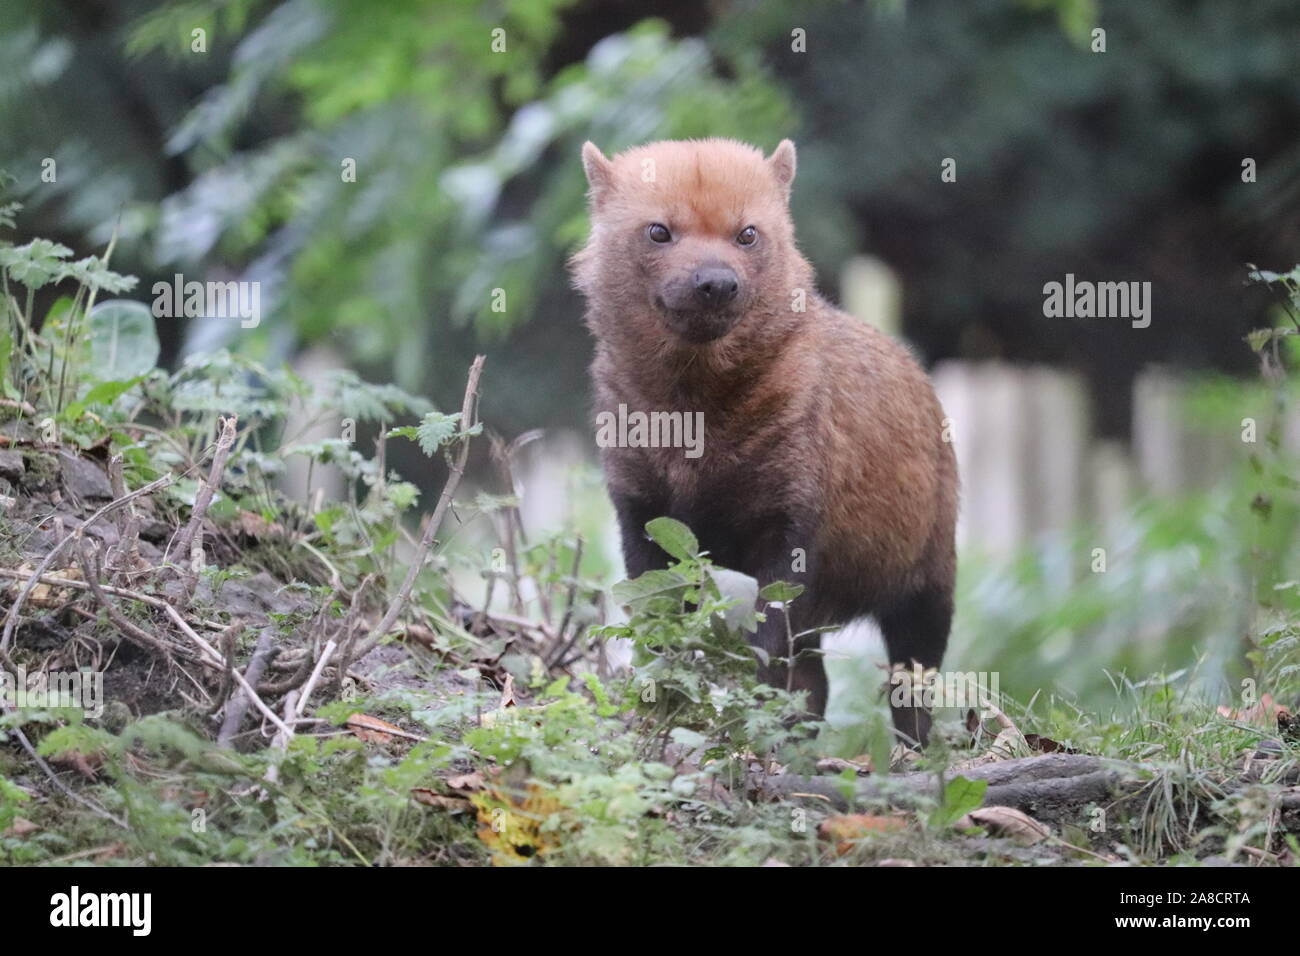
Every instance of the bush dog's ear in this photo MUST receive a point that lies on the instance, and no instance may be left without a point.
(781, 162)
(599, 170)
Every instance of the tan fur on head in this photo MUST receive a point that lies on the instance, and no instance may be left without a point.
(705, 192)
(782, 163)
(722, 178)
(598, 169)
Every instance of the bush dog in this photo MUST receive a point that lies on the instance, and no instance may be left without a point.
(824, 459)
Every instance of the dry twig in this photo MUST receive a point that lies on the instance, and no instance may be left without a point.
(237, 707)
(11, 619)
(134, 633)
(467, 422)
(192, 535)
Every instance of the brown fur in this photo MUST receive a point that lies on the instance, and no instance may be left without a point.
(821, 433)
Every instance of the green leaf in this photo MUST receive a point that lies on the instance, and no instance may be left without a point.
(674, 537)
(880, 739)
(739, 590)
(327, 451)
(123, 340)
(401, 494)
(492, 503)
(960, 797)
(58, 314)
(651, 584)
(223, 509)
(436, 430)
(35, 264)
(325, 519)
(365, 401)
(847, 784)
(782, 591)
(432, 433)
(7, 212)
(1258, 338)
(92, 273)
(6, 345)
(688, 738)
(105, 393)
(76, 737)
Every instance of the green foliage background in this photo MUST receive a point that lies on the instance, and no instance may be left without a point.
(227, 163)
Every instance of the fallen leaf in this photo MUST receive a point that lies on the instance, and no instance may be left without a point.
(1046, 745)
(467, 782)
(46, 595)
(255, 526)
(433, 798)
(1265, 712)
(20, 827)
(84, 763)
(1006, 732)
(508, 701)
(1008, 822)
(1005, 722)
(373, 730)
(846, 828)
(508, 693)
(859, 765)
(420, 634)
(510, 825)
(1009, 744)
(191, 798)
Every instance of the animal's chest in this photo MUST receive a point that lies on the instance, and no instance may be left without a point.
(721, 497)
(689, 482)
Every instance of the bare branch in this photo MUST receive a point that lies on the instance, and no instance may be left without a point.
(11, 619)
(468, 416)
(207, 489)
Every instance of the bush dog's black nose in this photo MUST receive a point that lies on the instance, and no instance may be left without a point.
(715, 286)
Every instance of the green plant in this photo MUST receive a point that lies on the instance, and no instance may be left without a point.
(694, 669)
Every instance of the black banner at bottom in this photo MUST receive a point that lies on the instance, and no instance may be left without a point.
(264, 906)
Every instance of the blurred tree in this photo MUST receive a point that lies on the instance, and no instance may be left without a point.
(467, 194)
(1117, 166)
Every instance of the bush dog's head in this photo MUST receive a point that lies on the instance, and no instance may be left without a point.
(695, 233)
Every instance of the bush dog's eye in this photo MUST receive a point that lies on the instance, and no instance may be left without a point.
(658, 232)
(747, 236)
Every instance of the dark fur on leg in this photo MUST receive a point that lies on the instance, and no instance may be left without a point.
(916, 633)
